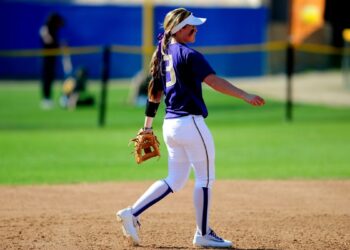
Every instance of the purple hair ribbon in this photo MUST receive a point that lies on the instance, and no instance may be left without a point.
(160, 38)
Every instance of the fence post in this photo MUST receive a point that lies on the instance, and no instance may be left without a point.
(346, 58)
(105, 77)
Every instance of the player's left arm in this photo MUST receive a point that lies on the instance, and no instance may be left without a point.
(223, 86)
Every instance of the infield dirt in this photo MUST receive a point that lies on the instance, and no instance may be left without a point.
(253, 214)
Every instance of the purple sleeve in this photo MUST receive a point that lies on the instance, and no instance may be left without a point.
(199, 65)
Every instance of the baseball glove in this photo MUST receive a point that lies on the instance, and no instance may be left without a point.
(146, 146)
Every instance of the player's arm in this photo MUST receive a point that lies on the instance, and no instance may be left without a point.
(151, 109)
(45, 35)
(221, 85)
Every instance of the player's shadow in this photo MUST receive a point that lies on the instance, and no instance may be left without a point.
(186, 247)
(254, 248)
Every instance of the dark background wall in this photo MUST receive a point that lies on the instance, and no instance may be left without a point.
(100, 25)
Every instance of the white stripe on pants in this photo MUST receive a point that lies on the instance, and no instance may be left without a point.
(189, 143)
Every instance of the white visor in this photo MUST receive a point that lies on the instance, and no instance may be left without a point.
(191, 20)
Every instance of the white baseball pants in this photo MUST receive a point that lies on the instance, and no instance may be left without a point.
(190, 144)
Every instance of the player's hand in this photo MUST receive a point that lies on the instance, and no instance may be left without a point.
(254, 100)
(146, 131)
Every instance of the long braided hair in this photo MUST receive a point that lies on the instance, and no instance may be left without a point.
(172, 19)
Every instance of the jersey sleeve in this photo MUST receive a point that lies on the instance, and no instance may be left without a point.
(199, 65)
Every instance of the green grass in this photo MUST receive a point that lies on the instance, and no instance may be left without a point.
(60, 146)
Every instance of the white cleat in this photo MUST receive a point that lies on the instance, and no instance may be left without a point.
(129, 225)
(210, 240)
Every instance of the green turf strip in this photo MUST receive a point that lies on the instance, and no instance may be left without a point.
(60, 146)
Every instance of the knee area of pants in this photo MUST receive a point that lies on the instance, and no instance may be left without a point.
(175, 186)
(200, 184)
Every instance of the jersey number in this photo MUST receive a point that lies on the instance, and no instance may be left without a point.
(170, 69)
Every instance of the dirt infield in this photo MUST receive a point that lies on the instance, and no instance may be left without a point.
(254, 214)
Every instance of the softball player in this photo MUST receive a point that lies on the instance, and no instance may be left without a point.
(178, 72)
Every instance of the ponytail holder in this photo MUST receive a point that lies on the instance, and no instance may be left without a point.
(160, 38)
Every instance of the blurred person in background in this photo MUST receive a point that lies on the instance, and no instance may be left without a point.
(49, 39)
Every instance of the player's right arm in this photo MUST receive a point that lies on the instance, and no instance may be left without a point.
(221, 85)
(149, 118)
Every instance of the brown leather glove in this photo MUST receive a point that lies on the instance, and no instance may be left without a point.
(146, 146)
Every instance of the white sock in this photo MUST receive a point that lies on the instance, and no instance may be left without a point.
(156, 192)
(201, 199)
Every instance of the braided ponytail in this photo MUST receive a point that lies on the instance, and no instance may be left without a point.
(165, 42)
(154, 83)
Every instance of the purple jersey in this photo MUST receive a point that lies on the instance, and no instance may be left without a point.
(183, 71)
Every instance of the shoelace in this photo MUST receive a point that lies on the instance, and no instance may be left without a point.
(212, 233)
